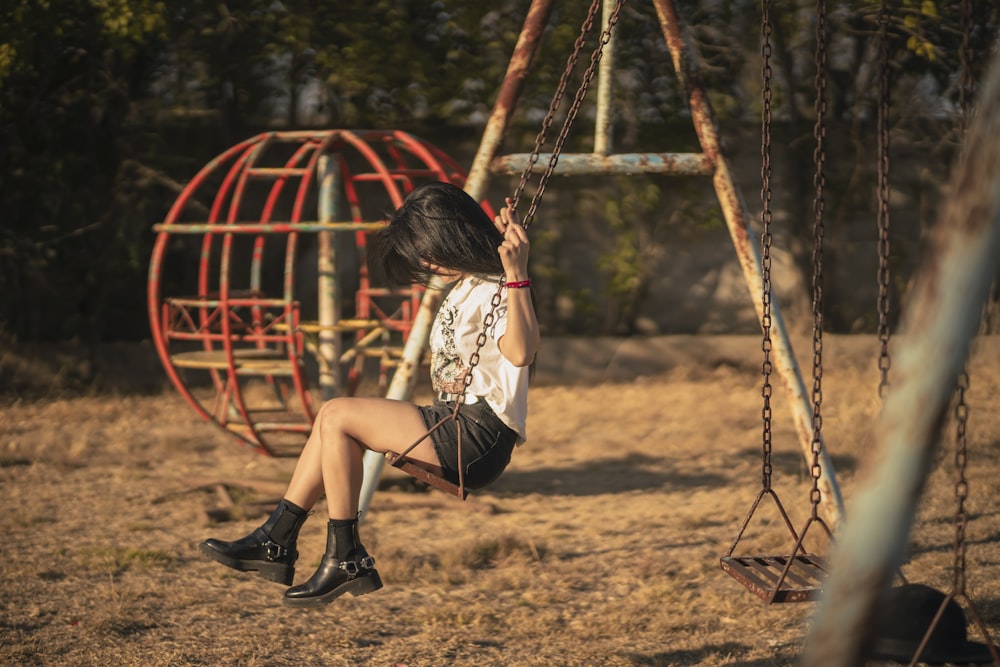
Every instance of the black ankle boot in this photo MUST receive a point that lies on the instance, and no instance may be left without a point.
(269, 550)
(346, 568)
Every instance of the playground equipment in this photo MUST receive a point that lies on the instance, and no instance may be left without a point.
(711, 162)
(243, 352)
(272, 314)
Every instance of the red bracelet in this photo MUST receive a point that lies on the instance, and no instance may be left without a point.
(518, 284)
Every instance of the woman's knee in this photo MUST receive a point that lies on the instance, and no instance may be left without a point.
(331, 415)
(338, 418)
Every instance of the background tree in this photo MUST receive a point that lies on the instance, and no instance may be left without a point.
(108, 106)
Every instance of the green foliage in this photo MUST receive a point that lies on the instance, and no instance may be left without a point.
(70, 72)
(634, 219)
(108, 106)
(919, 17)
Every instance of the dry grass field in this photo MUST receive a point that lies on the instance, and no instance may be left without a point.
(600, 545)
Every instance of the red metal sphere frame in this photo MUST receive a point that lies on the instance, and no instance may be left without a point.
(238, 330)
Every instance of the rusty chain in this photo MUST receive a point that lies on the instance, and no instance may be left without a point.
(884, 270)
(766, 240)
(571, 114)
(961, 483)
(961, 407)
(540, 140)
(556, 101)
(819, 181)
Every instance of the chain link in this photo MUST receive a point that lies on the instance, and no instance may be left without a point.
(539, 142)
(766, 240)
(819, 181)
(574, 109)
(884, 272)
(961, 406)
(961, 483)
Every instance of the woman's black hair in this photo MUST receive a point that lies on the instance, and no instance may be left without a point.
(437, 224)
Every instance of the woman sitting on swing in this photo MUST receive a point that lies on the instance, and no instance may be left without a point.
(438, 231)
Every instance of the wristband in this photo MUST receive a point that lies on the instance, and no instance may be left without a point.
(518, 284)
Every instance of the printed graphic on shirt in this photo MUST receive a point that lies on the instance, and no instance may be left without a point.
(449, 367)
(459, 324)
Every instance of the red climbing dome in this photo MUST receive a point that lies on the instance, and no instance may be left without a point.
(260, 302)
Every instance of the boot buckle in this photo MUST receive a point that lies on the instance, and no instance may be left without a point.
(352, 567)
(273, 551)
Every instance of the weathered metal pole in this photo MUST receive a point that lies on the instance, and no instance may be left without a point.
(329, 292)
(737, 220)
(581, 164)
(602, 123)
(944, 313)
(525, 50)
(403, 380)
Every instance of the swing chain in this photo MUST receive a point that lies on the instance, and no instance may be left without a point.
(481, 340)
(554, 104)
(574, 109)
(563, 132)
(819, 156)
(961, 482)
(961, 406)
(766, 240)
(884, 274)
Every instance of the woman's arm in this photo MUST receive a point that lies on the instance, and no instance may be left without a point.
(519, 344)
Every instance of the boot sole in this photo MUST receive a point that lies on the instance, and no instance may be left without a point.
(360, 586)
(276, 572)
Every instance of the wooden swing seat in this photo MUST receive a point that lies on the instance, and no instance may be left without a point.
(410, 468)
(761, 575)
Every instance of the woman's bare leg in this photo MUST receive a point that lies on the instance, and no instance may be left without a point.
(332, 459)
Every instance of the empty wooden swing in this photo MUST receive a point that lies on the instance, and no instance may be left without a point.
(797, 575)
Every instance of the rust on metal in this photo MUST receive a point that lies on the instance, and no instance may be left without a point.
(524, 53)
(580, 164)
(762, 576)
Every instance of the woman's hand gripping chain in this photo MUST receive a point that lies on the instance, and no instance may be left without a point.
(514, 249)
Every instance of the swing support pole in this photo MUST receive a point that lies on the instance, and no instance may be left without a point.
(945, 310)
(404, 379)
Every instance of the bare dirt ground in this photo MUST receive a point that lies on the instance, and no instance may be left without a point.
(599, 546)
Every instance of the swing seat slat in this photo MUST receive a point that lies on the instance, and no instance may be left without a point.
(425, 476)
(761, 574)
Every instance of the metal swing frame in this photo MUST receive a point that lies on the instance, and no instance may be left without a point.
(961, 409)
(711, 162)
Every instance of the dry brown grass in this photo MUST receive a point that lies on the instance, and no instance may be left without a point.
(599, 546)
